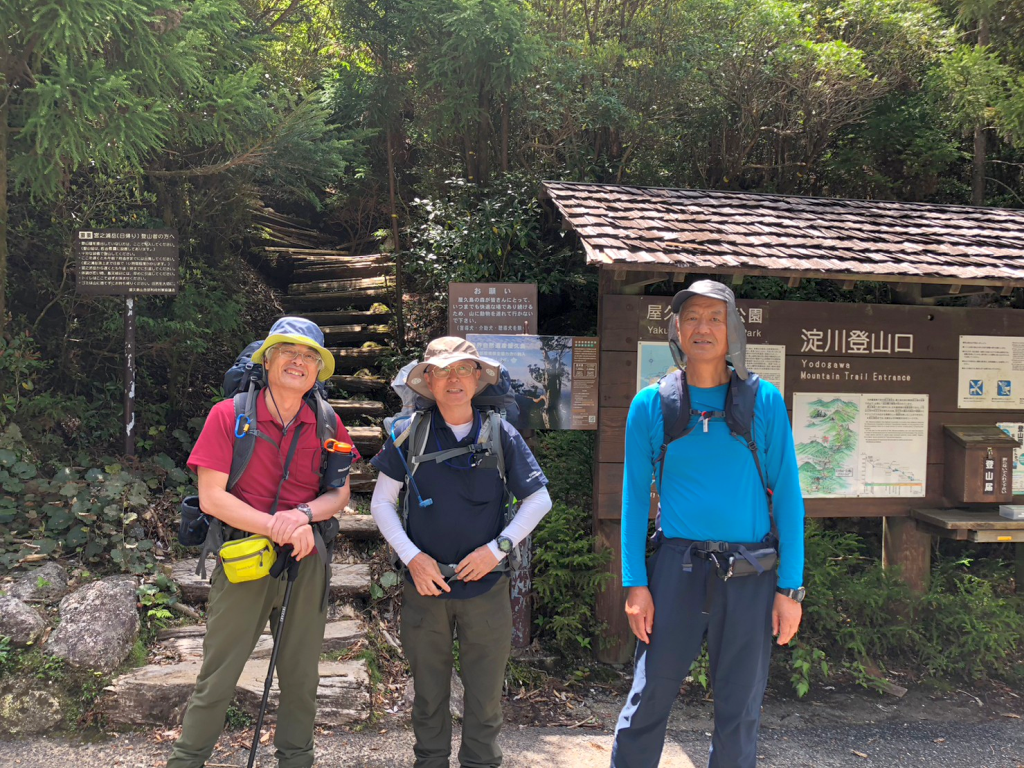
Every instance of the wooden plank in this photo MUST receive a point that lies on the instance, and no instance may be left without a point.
(936, 331)
(367, 439)
(619, 312)
(356, 334)
(962, 519)
(611, 437)
(334, 300)
(324, 286)
(348, 316)
(358, 383)
(619, 643)
(352, 408)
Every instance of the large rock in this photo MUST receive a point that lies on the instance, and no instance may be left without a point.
(46, 584)
(99, 624)
(25, 711)
(347, 580)
(20, 622)
(158, 695)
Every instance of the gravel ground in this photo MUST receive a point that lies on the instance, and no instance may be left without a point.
(835, 730)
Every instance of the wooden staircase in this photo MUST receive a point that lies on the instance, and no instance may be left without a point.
(348, 297)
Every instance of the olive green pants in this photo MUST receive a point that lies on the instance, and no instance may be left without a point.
(235, 619)
(484, 627)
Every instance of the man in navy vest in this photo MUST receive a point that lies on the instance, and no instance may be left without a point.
(455, 549)
(713, 573)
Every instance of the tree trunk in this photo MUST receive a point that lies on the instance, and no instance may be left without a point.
(978, 163)
(504, 136)
(3, 209)
(483, 154)
(392, 193)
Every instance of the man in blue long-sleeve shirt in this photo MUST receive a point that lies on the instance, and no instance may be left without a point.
(721, 524)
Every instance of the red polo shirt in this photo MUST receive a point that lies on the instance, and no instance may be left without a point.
(258, 484)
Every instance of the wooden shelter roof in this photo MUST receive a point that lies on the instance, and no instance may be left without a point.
(660, 229)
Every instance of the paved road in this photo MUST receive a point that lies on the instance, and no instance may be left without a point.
(998, 744)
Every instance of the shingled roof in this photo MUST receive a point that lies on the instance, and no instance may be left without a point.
(748, 233)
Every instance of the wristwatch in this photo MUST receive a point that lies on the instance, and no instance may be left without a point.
(306, 510)
(793, 594)
(504, 544)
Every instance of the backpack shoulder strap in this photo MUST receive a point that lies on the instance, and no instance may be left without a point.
(739, 416)
(675, 415)
(244, 442)
(326, 418)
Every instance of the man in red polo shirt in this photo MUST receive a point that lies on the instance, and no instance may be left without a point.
(282, 506)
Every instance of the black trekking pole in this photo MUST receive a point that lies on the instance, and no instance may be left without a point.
(285, 561)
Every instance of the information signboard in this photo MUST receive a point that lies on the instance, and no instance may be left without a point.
(126, 262)
(991, 372)
(492, 308)
(554, 377)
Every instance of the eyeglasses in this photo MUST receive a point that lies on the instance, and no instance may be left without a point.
(305, 355)
(462, 370)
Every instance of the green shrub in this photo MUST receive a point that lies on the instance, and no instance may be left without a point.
(567, 458)
(94, 512)
(567, 574)
(858, 616)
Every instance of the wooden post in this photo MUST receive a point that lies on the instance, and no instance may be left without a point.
(129, 375)
(903, 543)
(617, 643)
(906, 546)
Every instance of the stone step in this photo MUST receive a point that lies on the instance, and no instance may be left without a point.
(353, 408)
(184, 644)
(343, 286)
(368, 440)
(347, 580)
(355, 333)
(157, 695)
(358, 383)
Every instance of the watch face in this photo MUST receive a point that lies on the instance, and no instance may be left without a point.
(505, 544)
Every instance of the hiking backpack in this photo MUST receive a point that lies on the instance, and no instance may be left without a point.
(411, 425)
(739, 417)
(242, 383)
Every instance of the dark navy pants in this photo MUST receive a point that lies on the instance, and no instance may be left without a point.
(738, 628)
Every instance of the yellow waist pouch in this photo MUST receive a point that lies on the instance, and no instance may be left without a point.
(247, 559)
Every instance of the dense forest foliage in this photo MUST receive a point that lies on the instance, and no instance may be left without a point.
(440, 117)
(424, 127)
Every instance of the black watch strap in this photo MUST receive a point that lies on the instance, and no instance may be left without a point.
(794, 594)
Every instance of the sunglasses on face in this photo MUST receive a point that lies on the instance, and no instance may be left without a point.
(291, 353)
(462, 370)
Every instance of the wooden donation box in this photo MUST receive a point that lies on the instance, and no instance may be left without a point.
(979, 464)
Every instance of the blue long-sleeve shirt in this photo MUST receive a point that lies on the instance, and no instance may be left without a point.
(711, 490)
